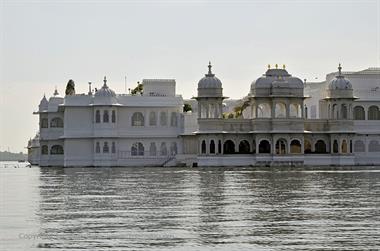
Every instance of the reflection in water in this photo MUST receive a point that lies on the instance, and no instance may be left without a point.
(201, 209)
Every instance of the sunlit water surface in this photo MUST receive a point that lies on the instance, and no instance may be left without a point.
(182, 209)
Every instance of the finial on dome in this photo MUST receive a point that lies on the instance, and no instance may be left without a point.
(268, 66)
(276, 65)
(105, 81)
(209, 67)
(55, 92)
(340, 69)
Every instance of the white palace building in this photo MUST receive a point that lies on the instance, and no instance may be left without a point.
(284, 122)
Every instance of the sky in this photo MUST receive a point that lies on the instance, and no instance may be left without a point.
(43, 44)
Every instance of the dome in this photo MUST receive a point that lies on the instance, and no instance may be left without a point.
(105, 91)
(209, 81)
(339, 82)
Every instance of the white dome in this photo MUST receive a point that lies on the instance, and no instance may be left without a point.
(340, 83)
(209, 81)
(276, 78)
(105, 91)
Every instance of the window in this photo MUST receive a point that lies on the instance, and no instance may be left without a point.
(373, 113)
(244, 147)
(219, 146)
(212, 146)
(344, 112)
(97, 147)
(173, 119)
(56, 122)
(264, 146)
(374, 146)
(173, 148)
(106, 148)
(137, 119)
(281, 146)
(320, 146)
(113, 147)
(44, 150)
(56, 149)
(163, 119)
(344, 146)
(105, 117)
(359, 113)
(152, 119)
(359, 146)
(44, 123)
(137, 149)
(113, 116)
(280, 110)
(203, 150)
(229, 147)
(97, 116)
(295, 146)
(335, 146)
(163, 149)
(152, 149)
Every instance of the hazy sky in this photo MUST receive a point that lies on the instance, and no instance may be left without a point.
(45, 43)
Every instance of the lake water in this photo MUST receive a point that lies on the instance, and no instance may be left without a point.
(182, 209)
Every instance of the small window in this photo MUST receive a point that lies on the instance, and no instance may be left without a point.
(152, 119)
(56, 149)
(44, 150)
(97, 147)
(56, 122)
(44, 123)
(152, 149)
(174, 119)
(105, 117)
(113, 147)
(97, 116)
(113, 116)
(137, 149)
(137, 119)
(106, 148)
(163, 119)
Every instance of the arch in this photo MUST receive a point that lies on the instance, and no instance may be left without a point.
(264, 146)
(163, 119)
(203, 147)
(44, 150)
(137, 119)
(280, 110)
(152, 119)
(152, 149)
(343, 111)
(335, 112)
(113, 116)
(229, 147)
(44, 123)
(212, 146)
(56, 149)
(263, 110)
(97, 116)
(219, 146)
(344, 147)
(113, 147)
(373, 113)
(335, 146)
(244, 147)
(163, 149)
(97, 147)
(359, 113)
(295, 111)
(137, 149)
(173, 148)
(295, 146)
(306, 146)
(281, 146)
(106, 117)
(56, 123)
(106, 149)
(359, 146)
(173, 119)
(320, 146)
(374, 146)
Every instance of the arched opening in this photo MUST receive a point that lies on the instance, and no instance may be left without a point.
(280, 110)
(281, 146)
(44, 150)
(137, 119)
(295, 146)
(343, 109)
(163, 119)
(97, 147)
(152, 119)
(295, 111)
(152, 149)
(106, 117)
(335, 112)
(44, 123)
(219, 146)
(173, 148)
(335, 146)
(173, 119)
(359, 146)
(113, 147)
(373, 113)
(137, 149)
(359, 113)
(374, 146)
(163, 149)
(263, 110)
(212, 147)
(307, 146)
(344, 146)
(106, 149)
(113, 116)
(229, 147)
(203, 147)
(320, 147)
(244, 147)
(56, 122)
(264, 146)
(56, 149)
(97, 116)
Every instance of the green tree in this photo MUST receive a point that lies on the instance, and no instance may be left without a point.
(187, 107)
(70, 88)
